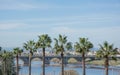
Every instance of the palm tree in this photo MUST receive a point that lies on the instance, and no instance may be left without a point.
(44, 42)
(60, 45)
(82, 47)
(7, 67)
(5, 56)
(106, 50)
(17, 51)
(30, 45)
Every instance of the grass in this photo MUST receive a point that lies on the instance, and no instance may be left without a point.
(101, 62)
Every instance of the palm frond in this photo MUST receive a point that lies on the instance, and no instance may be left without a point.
(107, 50)
(44, 41)
(83, 45)
(69, 45)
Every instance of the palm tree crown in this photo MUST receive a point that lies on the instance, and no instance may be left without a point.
(61, 44)
(83, 45)
(106, 50)
(44, 41)
(30, 45)
(17, 50)
(5, 55)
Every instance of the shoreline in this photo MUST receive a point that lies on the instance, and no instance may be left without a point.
(88, 66)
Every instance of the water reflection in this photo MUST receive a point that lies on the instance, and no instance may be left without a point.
(21, 62)
(36, 63)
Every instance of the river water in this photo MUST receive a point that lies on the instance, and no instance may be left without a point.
(54, 70)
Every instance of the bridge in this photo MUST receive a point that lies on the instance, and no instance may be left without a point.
(48, 59)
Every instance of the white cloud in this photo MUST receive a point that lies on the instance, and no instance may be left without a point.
(63, 22)
(89, 31)
(63, 30)
(7, 26)
(82, 21)
(16, 38)
(96, 35)
(17, 6)
(21, 5)
(25, 5)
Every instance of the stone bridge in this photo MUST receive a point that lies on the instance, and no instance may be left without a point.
(25, 59)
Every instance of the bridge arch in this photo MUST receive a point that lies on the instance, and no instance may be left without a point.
(36, 61)
(72, 60)
(90, 58)
(55, 61)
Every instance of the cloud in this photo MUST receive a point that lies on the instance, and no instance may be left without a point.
(27, 5)
(17, 6)
(96, 35)
(99, 32)
(62, 24)
(17, 38)
(7, 26)
(63, 30)
(84, 20)
(21, 5)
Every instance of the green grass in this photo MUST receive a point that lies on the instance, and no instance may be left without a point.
(101, 62)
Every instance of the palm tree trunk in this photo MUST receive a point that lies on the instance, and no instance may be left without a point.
(62, 69)
(17, 64)
(5, 73)
(43, 61)
(106, 65)
(30, 64)
(83, 64)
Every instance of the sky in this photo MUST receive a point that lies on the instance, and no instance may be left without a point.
(24, 20)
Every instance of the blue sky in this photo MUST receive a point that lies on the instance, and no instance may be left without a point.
(23, 20)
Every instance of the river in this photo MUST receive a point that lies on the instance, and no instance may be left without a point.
(54, 70)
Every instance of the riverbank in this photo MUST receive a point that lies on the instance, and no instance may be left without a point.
(101, 62)
(88, 66)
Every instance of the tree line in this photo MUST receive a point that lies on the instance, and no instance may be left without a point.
(61, 44)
